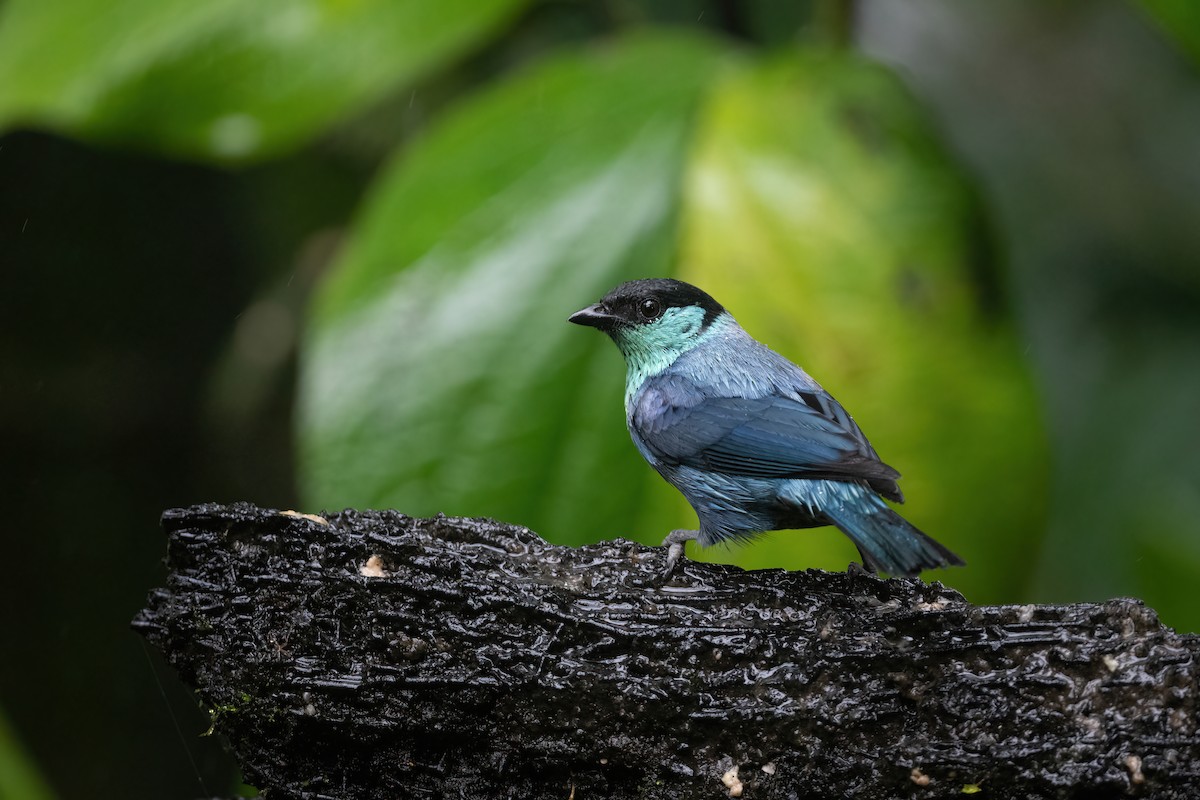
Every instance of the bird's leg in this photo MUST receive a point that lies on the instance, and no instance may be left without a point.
(867, 567)
(674, 542)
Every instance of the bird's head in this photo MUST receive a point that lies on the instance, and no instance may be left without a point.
(653, 321)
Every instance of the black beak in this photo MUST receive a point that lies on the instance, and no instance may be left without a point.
(594, 317)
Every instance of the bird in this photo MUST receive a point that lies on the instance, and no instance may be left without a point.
(749, 438)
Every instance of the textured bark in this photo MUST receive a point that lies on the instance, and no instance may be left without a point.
(375, 655)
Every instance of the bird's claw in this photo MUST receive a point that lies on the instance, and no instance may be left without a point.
(674, 553)
(674, 544)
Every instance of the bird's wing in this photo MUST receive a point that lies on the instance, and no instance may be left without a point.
(776, 436)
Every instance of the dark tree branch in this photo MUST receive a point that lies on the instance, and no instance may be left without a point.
(379, 656)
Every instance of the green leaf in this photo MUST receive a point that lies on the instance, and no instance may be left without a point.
(806, 195)
(819, 210)
(440, 374)
(19, 776)
(1180, 19)
(223, 79)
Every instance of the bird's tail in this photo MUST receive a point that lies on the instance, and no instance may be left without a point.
(887, 541)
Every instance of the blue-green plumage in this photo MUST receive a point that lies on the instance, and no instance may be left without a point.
(751, 440)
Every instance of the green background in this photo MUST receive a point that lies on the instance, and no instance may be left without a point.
(320, 253)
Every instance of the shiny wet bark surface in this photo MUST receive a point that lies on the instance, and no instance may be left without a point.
(373, 655)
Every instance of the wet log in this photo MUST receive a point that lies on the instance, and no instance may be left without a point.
(374, 655)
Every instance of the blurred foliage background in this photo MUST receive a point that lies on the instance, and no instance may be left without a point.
(319, 254)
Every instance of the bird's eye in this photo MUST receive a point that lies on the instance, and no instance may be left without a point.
(650, 309)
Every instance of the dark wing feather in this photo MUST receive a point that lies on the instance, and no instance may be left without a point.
(767, 437)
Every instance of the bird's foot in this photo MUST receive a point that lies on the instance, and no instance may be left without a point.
(674, 544)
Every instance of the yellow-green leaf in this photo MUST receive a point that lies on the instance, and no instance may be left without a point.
(819, 211)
